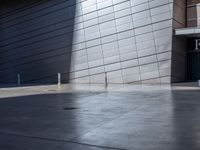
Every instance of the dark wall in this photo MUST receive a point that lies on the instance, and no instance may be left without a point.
(178, 69)
(35, 40)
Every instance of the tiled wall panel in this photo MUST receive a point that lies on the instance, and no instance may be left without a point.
(129, 40)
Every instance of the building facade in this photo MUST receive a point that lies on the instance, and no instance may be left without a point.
(125, 41)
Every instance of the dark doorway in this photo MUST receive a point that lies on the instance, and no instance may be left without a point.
(193, 57)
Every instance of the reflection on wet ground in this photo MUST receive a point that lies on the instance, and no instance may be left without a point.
(92, 117)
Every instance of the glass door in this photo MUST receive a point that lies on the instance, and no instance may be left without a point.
(194, 65)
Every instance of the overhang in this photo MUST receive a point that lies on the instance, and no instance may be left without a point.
(190, 32)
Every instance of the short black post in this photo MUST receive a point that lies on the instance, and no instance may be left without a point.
(18, 79)
(106, 80)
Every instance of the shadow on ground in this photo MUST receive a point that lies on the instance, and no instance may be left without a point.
(146, 120)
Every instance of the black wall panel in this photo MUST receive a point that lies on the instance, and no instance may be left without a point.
(35, 40)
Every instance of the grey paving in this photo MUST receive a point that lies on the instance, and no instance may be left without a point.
(91, 117)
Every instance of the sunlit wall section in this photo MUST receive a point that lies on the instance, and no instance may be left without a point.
(129, 41)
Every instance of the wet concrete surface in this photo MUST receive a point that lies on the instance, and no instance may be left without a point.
(92, 117)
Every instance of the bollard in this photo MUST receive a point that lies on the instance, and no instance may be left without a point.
(199, 82)
(106, 80)
(59, 80)
(18, 79)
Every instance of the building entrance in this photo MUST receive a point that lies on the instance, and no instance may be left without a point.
(193, 59)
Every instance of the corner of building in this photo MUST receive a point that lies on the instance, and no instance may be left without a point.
(178, 58)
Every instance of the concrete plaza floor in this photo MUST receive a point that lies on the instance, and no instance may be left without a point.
(92, 117)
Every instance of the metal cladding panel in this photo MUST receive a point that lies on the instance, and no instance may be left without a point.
(36, 40)
(127, 40)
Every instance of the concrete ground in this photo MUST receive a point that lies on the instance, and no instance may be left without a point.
(92, 117)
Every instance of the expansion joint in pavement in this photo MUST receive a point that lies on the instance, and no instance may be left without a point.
(63, 141)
